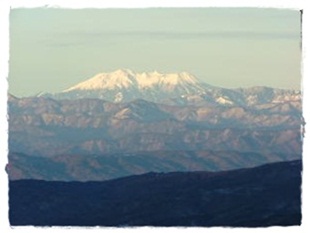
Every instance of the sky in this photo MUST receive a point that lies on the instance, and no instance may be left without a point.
(53, 49)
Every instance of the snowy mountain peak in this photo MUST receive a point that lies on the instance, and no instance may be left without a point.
(183, 88)
(123, 72)
(125, 78)
(116, 79)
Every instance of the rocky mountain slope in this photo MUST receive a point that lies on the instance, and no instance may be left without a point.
(47, 127)
(269, 195)
(92, 139)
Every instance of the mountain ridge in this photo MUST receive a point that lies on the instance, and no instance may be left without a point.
(263, 196)
(142, 125)
(182, 88)
(123, 78)
(164, 127)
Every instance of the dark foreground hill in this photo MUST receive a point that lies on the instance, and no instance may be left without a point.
(263, 196)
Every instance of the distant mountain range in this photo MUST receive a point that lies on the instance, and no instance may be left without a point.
(92, 139)
(269, 195)
(125, 123)
(173, 89)
(46, 126)
(171, 131)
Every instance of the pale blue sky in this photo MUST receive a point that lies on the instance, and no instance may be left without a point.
(52, 49)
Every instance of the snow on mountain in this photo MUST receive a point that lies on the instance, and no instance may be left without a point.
(182, 88)
(223, 100)
(124, 79)
(116, 79)
(124, 85)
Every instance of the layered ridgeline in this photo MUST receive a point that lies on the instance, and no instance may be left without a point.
(123, 123)
(174, 88)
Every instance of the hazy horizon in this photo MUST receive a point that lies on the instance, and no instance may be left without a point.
(53, 49)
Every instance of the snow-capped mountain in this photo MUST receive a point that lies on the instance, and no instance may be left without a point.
(183, 88)
(125, 85)
(125, 79)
